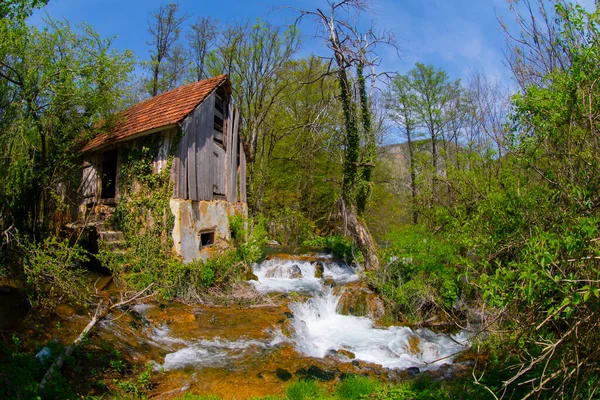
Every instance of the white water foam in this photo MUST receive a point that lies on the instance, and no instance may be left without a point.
(319, 329)
(276, 275)
(216, 352)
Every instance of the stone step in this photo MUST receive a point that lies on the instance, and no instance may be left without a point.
(115, 245)
(110, 236)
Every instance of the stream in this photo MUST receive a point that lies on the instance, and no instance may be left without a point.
(299, 331)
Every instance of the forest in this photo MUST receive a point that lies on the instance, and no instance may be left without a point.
(466, 204)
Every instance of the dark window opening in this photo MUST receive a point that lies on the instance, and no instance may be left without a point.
(109, 175)
(219, 119)
(207, 239)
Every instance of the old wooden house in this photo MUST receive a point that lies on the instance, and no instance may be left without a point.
(197, 126)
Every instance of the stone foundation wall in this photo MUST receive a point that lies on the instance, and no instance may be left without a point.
(192, 218)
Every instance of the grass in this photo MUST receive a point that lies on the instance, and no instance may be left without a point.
(355, 387)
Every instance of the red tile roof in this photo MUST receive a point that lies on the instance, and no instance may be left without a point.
(159, 111)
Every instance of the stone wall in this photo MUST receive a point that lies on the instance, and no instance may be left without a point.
(193, 218)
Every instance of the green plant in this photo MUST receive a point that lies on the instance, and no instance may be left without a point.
(53, 269)
(421, 275)
(304, 390)
(355, 387)
(341, 247)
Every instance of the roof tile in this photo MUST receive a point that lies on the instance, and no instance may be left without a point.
(164, 109)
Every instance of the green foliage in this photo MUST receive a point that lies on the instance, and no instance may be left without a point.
(56, 85)
(340, 246)
(19, 376)
(53, 271)
(304, 390)
(19, 9)
(356, 387)
(248, 237)
(421, 275)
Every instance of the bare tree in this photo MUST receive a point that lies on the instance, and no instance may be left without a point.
(164, 28)
(353, 53)
(537, 48)
(489, 104)
(201, 38)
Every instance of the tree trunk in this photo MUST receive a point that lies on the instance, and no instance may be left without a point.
(357, 230)
(413, 175)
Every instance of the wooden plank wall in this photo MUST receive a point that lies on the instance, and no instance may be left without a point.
(242, 175)
(90, 180)
(218, 169)
(232, 162)
(192, 164)
(202, 167)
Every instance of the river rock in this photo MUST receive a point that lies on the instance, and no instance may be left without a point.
(283, 375)
(358, 300)
(319, 269)
(412, 371)
(341, 355)
(314, 372)
(329, 282)
(293, 273)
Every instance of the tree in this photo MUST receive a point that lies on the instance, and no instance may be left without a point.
(401, 106)
(257, 58)
(56, 85)
(19, 10)
(201, 38)
(164, 30)
(432, 94)
(351, 51)
(300, 153)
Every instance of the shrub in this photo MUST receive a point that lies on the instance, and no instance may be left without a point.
(421, 274)
(53, 269)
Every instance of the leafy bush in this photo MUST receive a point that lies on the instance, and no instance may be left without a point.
(421, 274)
(339, 246)
(53, 269)
(248, 237)
(289, 227)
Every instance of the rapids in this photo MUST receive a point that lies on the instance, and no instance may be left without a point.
(295, 328)
(318, 328)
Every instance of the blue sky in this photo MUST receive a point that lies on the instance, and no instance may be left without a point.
(456, 35)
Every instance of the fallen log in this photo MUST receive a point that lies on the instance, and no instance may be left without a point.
(100, 313)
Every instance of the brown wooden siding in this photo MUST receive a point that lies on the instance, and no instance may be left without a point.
(192, 162)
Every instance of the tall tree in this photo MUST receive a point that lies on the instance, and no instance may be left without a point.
(401, 106)
(257, 58)
(201, 38)
(431, 90)
(351, 51)
(164, 29)
(55, 85)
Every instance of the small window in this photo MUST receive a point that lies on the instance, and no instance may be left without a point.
(219, 120)
(207, 239)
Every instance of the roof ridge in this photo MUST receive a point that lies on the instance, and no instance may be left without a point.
(162, 110)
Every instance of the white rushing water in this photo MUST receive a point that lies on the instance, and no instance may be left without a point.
(286, 276)
(317, 325)
(319, 328)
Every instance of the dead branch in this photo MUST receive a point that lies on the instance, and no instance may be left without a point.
(100, 314)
